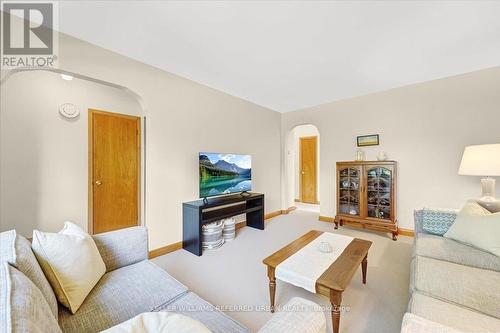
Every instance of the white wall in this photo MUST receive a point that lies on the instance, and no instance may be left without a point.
(183, 118)
(424, 127)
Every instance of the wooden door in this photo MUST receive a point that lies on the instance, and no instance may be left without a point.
(115, 168)
(308, 169)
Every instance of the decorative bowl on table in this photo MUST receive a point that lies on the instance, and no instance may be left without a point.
(325, 247)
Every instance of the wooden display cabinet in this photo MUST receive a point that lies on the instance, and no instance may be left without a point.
(366, 195)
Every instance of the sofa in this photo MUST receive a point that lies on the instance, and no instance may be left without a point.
(132, 285)
(454, 287)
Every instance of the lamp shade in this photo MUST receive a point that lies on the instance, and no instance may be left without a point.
(481, 160)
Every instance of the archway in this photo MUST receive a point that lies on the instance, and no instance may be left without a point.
(298, 168)
(48, 151)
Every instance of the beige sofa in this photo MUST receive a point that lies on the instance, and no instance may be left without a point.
(454, 287)
(132, 285)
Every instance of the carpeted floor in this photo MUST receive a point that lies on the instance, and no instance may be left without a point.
(307, 207)
(235, 276)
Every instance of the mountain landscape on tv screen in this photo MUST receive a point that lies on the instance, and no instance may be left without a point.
(224, 173)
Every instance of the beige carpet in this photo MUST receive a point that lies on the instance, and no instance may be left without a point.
(235, 276)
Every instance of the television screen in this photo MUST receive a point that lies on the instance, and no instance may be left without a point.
(224, 174)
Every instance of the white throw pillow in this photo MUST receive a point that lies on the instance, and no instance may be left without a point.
(71, 262)
(478, 227)
(159, 322)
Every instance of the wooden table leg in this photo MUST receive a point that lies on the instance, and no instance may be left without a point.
(335, 300)
(364, 265)
(272, 285)
(272, 292)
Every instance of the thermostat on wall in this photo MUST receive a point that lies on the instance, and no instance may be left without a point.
(69, 110)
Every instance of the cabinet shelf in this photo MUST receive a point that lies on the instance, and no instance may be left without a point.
(378, 205)
(380, 190)
(226, 212)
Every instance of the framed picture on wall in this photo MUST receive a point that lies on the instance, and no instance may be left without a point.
(368, 140)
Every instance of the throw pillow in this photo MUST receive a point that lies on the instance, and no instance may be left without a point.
(16, 250)
(478, 227)
(23, 308)
(159, 322)
(437, 221)
(71, 261)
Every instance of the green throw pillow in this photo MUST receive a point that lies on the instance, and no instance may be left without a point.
(478, 227)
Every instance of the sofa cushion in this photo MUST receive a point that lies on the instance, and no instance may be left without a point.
(452, 315)
(437, 221)
(476, 226)
(468, 286)
(16, 250)
(416, 324)
(120, 295)
(22, 306)
(449, 250)
(197, 308)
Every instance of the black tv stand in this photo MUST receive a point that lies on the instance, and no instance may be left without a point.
(196, 213)
(245, 194)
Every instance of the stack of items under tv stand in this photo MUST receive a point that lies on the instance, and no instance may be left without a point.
(199, 212)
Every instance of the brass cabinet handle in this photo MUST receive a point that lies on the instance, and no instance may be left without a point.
(98, 182)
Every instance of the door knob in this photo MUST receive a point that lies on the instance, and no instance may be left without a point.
(303, 173)
(98, 182)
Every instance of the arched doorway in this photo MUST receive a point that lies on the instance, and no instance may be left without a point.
(302, 188)
(49, 151)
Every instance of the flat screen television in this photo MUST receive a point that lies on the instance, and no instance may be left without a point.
(224, 174)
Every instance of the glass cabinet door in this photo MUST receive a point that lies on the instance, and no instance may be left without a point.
(349, 186)
(378, 188)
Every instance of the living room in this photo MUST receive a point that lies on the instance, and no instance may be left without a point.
(329, 104)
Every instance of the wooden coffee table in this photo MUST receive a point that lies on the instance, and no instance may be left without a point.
(334, 280)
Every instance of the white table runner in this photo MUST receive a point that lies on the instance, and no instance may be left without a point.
(304, 268)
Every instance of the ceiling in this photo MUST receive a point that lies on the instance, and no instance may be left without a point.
(288, 55)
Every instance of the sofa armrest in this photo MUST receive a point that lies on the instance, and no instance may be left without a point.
(122, 247)
(297, 316)
(417, 218)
